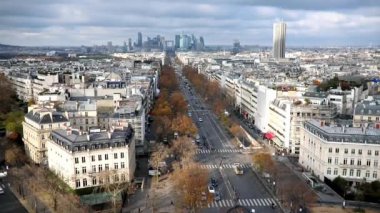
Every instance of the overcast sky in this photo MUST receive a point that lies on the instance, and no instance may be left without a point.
(89, 22)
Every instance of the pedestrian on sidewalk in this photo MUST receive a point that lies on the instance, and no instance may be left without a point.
(171, 203)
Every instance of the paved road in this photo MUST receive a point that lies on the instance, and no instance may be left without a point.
(9, 203)
(244, 190)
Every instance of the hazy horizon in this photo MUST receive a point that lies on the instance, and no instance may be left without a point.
(220, 22)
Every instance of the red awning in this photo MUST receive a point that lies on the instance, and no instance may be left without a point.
(269, 135)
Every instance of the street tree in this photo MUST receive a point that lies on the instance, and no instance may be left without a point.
(8, 96)
(183, 125)
(183, 149)
(263, 162)
(14, 155)
(159, 154)
(113, 184)
(191, 186)
(178, 103)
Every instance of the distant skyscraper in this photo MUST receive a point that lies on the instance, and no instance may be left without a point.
(279, 38)
(139, 39)
(129, 44)
(176, 41)
(201, 43)
(109, 46)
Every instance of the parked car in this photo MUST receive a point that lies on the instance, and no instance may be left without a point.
(200, 119)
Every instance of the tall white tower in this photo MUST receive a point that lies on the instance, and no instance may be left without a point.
(279, 38)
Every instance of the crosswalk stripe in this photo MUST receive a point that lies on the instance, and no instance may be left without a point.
(251, 202)
(245, 202)
(254, 200)
(258, 201)
(268, 201)
(224, 204)
(229, 202)
(263, 201)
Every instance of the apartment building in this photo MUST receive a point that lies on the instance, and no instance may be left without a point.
(286, 117)
(82, 114)
(367, 112)
(43, 82)
(23, 84)
(87, 160)
(331, 150)
(130, 111)
(37, 126)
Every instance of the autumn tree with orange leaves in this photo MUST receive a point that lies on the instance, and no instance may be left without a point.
(191, 186)
(183, 125)
(178, 103)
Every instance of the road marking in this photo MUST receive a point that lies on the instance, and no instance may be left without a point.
(243, 201)
(251, 202)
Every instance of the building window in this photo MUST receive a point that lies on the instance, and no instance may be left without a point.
(92, 158)
(359, 162)
(106, 157)
(344, 172)
(100, 167)
(336, 161)
(329, 160)
(367, 174)
(376, 152)
(345, 161)
(76, 160)
(374, 175)
(107, 167)
(93, 181)
(121, 154)
(346, 151)
(122, 165)
(84, 182)
(336, 150)
(122, 177)
(93, 168)
(335, 171)
(375, 163)
(329, 171)
(330, 150)
(358, 173)
(99, 157)
(359, 151)
(368, 162)
(353, 151)
(369, 152)
(116, 178)
(115, 155)
(76, 171)
(84, 170)
(351, 172)
(77, 183)
(352, 162)
(116, 165)
(83, 159)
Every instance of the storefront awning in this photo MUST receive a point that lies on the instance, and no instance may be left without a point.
(269, 135)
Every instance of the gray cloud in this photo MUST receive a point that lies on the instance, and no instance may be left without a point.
(88, 22)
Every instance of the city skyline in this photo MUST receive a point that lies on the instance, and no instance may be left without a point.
(71, 23)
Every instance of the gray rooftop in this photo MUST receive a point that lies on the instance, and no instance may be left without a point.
(46, 118)
(335, 133)
(368, 108)
(95, 140)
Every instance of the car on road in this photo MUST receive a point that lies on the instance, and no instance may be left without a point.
(211, 189)
(217, 196)
(189, 114)
(213, 182)
(200, 119)
(238, 169)
(1, 190)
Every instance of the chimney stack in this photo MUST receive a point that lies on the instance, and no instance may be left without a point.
(68, 131)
